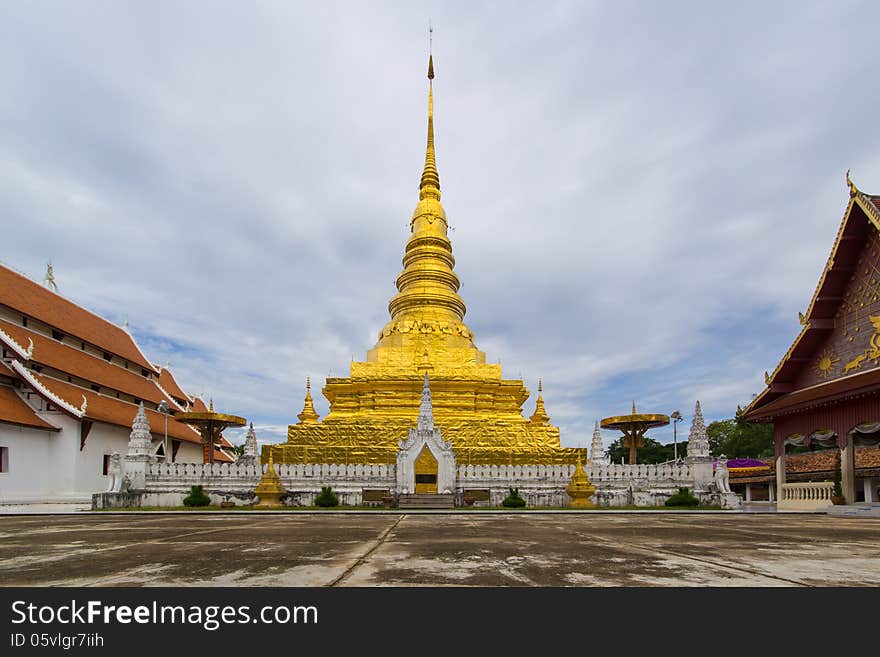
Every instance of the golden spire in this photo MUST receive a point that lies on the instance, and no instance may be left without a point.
(429, 187)
(212, 405)
(308, 414)
(540, 415)
(428, 288)
(634, 407)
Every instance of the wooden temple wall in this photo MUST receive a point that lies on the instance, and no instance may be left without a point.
(840, 417)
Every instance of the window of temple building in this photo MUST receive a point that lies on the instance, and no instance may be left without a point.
(4, 459)
(145, 373)
(96, 387)
(106, 467)
(23, 320)
(58, 335)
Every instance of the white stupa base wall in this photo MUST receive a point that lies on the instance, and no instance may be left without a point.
(539, 485)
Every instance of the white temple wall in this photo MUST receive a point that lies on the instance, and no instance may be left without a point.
(27, 452)
(61, 464)
(89, 463)
(539, 485)
(48, 466)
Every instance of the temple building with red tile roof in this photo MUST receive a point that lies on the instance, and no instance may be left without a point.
(825, 391)
(70, 386)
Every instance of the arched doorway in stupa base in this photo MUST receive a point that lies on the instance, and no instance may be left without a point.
(426, 470)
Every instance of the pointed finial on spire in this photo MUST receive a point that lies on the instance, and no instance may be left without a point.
(597, 449)
(426, 407)
(540, 415)
(698, 439)
(212, 405)
(308, 415)
(430, 50)
(429, 187)
(634, 407)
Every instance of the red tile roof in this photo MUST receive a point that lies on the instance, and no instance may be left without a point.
(30, 298)
(115, 411)
(198, 406)
(14, 410)
(220, 456)
(167, 381)
(78, 363)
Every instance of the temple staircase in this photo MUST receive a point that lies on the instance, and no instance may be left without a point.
(426, 501)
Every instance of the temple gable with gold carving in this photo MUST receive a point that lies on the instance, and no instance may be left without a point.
(479, 412)
(826, 389)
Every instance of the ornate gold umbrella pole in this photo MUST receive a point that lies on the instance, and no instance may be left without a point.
(210, 425)
(634, 426)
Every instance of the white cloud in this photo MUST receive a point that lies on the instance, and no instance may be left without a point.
(643, 196)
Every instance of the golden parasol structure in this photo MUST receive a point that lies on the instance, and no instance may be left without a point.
(634, 426)
(210, 425)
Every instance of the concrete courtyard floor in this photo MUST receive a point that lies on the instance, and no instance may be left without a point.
(463, 549)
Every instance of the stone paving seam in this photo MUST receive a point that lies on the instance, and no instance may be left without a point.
(360, 561)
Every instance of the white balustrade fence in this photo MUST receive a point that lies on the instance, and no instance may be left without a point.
(541, 485)
(805, 496)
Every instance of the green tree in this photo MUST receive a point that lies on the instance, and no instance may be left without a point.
(736, 438)
(238, 450)
(652, 452)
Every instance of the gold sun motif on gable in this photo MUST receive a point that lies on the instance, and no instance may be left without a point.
(826, 364)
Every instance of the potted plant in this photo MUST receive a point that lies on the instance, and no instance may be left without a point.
(837, 494)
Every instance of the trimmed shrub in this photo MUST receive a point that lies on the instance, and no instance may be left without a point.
(196, 497)
(683, 498)
(327, 497)
(513, 500)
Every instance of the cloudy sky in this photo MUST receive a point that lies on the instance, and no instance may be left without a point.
(643, 194)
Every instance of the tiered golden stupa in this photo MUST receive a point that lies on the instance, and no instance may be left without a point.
(477, 410)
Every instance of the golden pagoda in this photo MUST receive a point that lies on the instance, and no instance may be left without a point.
(479, 412)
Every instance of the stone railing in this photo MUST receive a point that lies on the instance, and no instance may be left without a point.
(663, 473)
(466, 473)
(234, 471)
(805, 496)
(166, 484)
